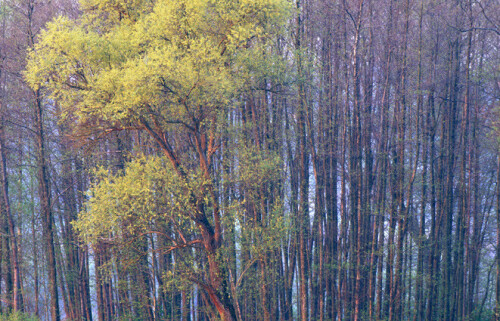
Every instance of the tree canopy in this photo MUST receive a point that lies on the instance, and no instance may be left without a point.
(180, 62)
(173, 69)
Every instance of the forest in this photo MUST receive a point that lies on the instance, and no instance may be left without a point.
(243, 160)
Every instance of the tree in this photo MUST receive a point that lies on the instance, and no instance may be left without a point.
(171, 69)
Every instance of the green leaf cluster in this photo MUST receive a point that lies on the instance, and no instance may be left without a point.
(173, 61)
(18, 316)
(147, 193)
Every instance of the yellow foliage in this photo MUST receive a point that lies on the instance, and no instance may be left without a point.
(173, 59)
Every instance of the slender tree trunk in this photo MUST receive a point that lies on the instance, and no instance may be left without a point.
(497, 301)
(14, 259)
(46, 207)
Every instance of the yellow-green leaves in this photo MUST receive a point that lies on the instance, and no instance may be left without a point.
(147, 194)
(177, 60)
(168, 67)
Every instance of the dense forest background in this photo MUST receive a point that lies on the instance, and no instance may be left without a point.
(250, 160)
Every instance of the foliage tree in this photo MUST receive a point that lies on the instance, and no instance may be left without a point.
(173, 70)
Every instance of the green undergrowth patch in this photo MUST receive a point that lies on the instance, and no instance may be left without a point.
(18, 316)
